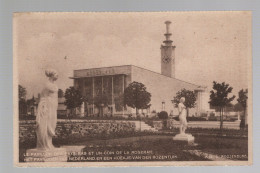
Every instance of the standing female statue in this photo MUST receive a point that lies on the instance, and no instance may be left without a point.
(46, 117)
(183, 124)
(182, 115)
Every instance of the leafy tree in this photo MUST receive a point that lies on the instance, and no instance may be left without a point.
(219, 98)
(242, 100)
(136, 96)
(190, 99)
(73, 98)
(60, 93)
(22, 101)
(238, 107)
(22, 93)
(31, 101)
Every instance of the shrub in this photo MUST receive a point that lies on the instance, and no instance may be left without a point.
(27, 117)
(176, 118)
(163, 115)
(242, 123)
(212, 118)
(212, 114)
(149, 122)
(203, 114)
(62, 116)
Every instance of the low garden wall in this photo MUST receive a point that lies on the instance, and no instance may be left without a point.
(79, 128)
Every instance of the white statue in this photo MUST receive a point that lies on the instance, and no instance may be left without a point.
(182, 115)
(46, 117)
(182, 136)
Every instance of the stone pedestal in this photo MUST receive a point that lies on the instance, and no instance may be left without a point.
(184, 137)
(74, 148)
(53, 155)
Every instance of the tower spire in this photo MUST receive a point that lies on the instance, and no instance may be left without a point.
(168, 42)
(167, 54)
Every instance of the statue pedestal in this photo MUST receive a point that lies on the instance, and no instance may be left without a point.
(184, 137)
(52, 155)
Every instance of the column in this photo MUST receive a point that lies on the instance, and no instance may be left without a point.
(82, 109)
(199, 102)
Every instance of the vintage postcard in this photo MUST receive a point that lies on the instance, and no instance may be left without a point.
(132, 89)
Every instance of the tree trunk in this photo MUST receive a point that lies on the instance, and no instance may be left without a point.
(74, 112)
(221, 119)
(243, 120)
(102, 111)
(245, 117)
(139, 117)
(187, 114)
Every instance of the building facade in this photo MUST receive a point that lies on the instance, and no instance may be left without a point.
(104, 87)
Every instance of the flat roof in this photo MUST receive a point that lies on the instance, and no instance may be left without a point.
(99, 68)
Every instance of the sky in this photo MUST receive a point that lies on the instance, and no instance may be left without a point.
(210, 46)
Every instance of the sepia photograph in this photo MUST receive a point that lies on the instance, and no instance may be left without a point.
(132, 88)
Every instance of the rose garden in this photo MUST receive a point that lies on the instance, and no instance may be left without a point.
(115, 138)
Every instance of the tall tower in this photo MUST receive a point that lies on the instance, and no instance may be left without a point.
(167, 54)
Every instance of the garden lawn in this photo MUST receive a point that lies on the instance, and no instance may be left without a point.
(227, 147)
(228, 144)
(164, 146)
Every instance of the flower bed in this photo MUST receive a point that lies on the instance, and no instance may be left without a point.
(77, 128)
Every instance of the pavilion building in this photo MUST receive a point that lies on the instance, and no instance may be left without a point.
(107, 84)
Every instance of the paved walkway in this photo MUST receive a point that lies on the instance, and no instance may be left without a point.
(211, 124)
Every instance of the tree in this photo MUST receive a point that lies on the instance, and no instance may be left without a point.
(31, 103)
(22, 93)
(60, 93)
(22, 101)
(238, 107)
(136, 96)
(73, 98)
(190, 99)
(242, 100)
(219, 98)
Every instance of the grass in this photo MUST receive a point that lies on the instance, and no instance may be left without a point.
(164, 149)
(224, 146)
(230, 142)
(165, 146)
